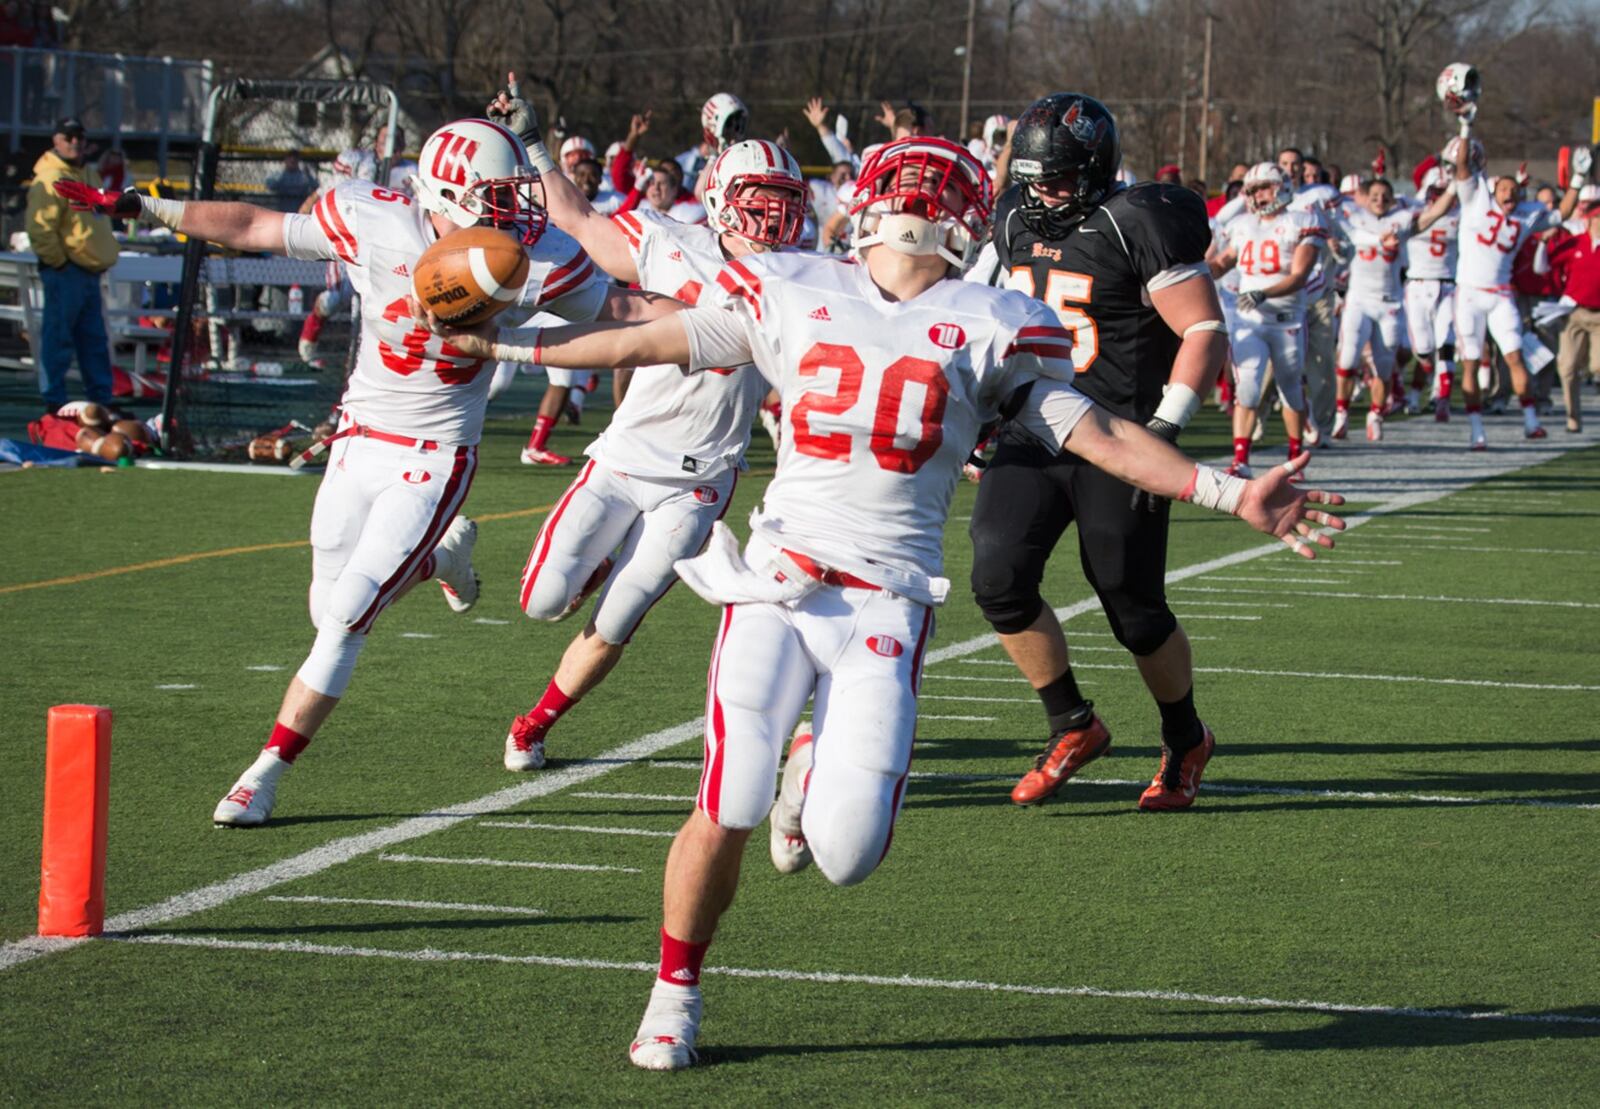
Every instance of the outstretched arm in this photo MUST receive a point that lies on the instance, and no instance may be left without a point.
(232, 224)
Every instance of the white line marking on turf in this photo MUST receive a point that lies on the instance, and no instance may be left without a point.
(1280, 580)
(978, 719)
(1422, 525)
(177, 685)
(1211, 616)
(592, 829)
(839, 978)
(495, 623)
(521, 863)
(1408, 679)
(977, 700)
(450, 906)
(265, 668)
(687, 798)
(677, 764)
(1403, 597)
(418, 635)
(1506, 550)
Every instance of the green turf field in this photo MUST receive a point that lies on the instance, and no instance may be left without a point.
(1397, 834)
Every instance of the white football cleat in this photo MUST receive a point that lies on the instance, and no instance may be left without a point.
(1374, 426)
(523, 751)
(307, 349)
(790, 852)
(1312, 435)
(538, 456)
(453, 564)
(249, 803)
(665, 1040)
(1260, 432)
(1341, 424)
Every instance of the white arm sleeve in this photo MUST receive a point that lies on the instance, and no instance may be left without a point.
(836, 149)
(304, 238)
(1052, 410)
(717, 337)
(1177, 275)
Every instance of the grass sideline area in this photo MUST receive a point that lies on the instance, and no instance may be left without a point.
(1391, 855)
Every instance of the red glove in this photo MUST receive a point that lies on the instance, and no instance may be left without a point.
(84, 198)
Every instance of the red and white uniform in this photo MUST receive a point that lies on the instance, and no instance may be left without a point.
(663, 471)
(413, 406)
(1430, 294)
(1272, 334)
(1489, 241)
(883, 402)
(1322, 203)
(1372, 303)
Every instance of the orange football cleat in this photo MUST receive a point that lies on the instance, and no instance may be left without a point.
(1178, 780)
(1067, 753)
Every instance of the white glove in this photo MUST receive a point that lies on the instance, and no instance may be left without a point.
(641, 174)
(1582, 164)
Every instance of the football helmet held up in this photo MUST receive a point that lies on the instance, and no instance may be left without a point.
(754, 190)
(1458, 87)
(1261, 176)
(476, 172)
(724, 120)
(1069, 140)
(922, 195)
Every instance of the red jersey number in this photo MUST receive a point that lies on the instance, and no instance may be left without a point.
(838, 445)
(421, 351)
(690, 295)
(1499, 221)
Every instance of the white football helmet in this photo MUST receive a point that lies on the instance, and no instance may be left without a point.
(357, 165)
(575, 150)
(1433, 182)
(922, 195)
(1350, 184)
(474, 171)
(1458, 86)
(1260, 176)
(724, 120)
(1452, 154)
(734, 200)
(994, 130)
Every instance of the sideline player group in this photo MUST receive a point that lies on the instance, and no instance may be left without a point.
(1082, 341)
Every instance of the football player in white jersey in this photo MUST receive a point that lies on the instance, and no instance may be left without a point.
(1430, 297)
(1495, 222)
(664, 470)
(1377, 229)
(405, 451)
(887, 367)
(1275, 250)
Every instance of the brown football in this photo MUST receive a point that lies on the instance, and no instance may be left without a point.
(471, 275)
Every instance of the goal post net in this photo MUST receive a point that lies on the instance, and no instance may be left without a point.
(237, 369)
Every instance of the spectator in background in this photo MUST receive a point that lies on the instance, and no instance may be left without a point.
(401, 168)
(907, 121)
(74, 249)
(590, 178)
(291, 185)
(1169, 174)
(660, 186)
(1577, 259)
(1230, 190)
(1547, 196)
(825, 190)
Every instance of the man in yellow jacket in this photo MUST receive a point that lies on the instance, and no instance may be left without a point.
(74, 249)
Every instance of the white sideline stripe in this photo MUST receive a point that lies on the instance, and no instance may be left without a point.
(980, 719)
(1282, 791)
(686, 797)
(1288, 569)
(1430, 536)
(1079, 633)
(979, 700)
(1406, 679)
(1211, 616)
(436, 955)
(534, 826)
(1430, 527)
(177, 685)
(486, 620)
(1404, 597)
(341, 850)
(1280, 579)
(526, 864)
(451, 906)
(265, 668)
(1342, 561)
(677, 764)
(418, 635)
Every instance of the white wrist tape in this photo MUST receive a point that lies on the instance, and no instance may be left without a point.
(1179, 403)
(1210, 488)
(539, 154)
(513, 345)
(161, 210)
(1206, 325)
(1577, 181)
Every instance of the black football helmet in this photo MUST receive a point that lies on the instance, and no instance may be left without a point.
(1067, 137)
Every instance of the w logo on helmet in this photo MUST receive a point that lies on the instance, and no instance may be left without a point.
(1087, 131)
(454, 156)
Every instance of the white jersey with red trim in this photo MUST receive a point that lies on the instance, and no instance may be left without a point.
(1321, 202)
(1490, 237)
(1375, 268)
(1431, 254)
(1264, 247)
(407, 380)
(882, 403)
(673, 423)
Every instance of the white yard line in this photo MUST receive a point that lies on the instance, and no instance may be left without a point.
(174, 686)
(1280, 579)
(491, 622)
(1404, 679)
(1413, 491)
(686, 798)
(1422, 526)
(840, 978)
(265, 668)
(523, 864)
(1401, 597)
(1211, 615)
(974, 719)
(590, 829)
(447, 906)
(1506, 550)
(418, 635)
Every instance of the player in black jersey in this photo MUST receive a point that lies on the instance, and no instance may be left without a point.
(1125, 270)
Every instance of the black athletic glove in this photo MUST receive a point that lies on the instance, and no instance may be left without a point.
(1149, 502)
(1249, 302)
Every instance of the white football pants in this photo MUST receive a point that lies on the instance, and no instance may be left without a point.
(1430, 315)
(1486, 310)
(1258, 345)
(1374, 321)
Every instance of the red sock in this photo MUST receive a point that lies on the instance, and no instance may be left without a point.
(1341, 405)
(551, 707)
(1241, 449)
(680, 961)
(1447, 381)
(1294, 447)
(287, 742)
(542, 427)
(1225, 389)
(311, 328)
